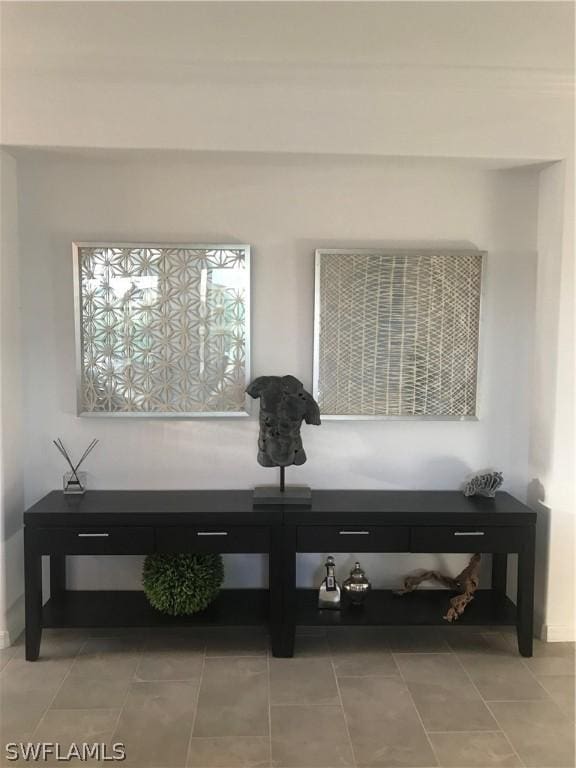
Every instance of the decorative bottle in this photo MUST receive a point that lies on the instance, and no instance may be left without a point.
(329, 596)
(356, 586)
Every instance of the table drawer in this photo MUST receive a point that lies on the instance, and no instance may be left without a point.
(353, 538)
(96, 541)
(210, 538)
(466, 539)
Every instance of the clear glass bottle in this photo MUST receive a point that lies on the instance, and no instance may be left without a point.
(329, 595)
(75, 482)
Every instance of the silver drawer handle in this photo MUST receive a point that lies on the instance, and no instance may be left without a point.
(93, 535)
(468, 533)
(212, 533)
(354, 533)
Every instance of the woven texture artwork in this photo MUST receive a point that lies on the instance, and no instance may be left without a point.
(162, 329)
(397, 333)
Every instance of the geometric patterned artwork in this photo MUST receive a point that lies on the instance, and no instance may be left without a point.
(162, 330)
(396, 333)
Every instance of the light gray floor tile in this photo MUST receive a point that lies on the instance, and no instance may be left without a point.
(468, 641)
(540, 733)
(171, 640)
(365, 664)
(234, 721)
(384, 725)
(484, 643)
(56, 645)
(508, 629)
(26, 690)
(551, 665)
(309, 737)
(110, 658)
(474, 749)
(170, 633)
(169, 666)
(501, 644)
(233, 752)
(91, 693)
(171, 658)
(552, 659)
(61, 643)
(128, 633)
(512, 640)
(417, 640)
(21, 710)
(370, 638)
(156, 723)
(237, 641)
(443, 694)
(233, 698)
(65, 727)
(311, 646)
(553, 650)
(303, 681)
(562, 690)
(501, 678)
(361, 654)
(5, 655)
(31, 675)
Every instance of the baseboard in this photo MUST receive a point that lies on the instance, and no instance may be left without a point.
(558, 633)
(14, 623)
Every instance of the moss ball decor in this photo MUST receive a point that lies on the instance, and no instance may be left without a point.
(182, 584)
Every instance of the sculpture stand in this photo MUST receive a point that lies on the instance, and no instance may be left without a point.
(296, 495)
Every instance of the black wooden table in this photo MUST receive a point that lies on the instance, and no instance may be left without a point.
(138, 523)
(412, 521)
(141, 522)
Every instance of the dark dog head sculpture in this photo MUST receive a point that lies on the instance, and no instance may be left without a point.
(284, 405)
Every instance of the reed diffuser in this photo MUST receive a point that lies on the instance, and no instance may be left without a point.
(74, 481)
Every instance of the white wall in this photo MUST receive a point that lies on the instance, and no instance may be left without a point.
(284, 207)
(552, 456)
(11, 437)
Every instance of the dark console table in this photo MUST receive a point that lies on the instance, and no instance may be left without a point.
(140, 522)
(413, 521)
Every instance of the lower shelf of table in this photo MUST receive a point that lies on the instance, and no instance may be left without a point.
(251, 606)
(422, 607)
(132, 609)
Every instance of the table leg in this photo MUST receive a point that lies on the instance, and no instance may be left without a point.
(525, 600)
(499, 572)
(33, 595)
(57, 575)
(289, 592)
(276, 610)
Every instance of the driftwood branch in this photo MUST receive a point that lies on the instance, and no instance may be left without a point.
(466, 583)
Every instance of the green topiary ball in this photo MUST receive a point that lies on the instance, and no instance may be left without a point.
(182, 584)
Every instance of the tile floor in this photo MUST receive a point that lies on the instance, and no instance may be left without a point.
(452, 697)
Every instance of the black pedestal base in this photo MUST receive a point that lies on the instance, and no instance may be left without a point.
(299, 495)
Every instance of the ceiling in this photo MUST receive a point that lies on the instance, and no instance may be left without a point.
(94, 36)
(461, 79)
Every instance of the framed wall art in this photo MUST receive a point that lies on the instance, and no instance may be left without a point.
(162, 329)
(396, 334)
